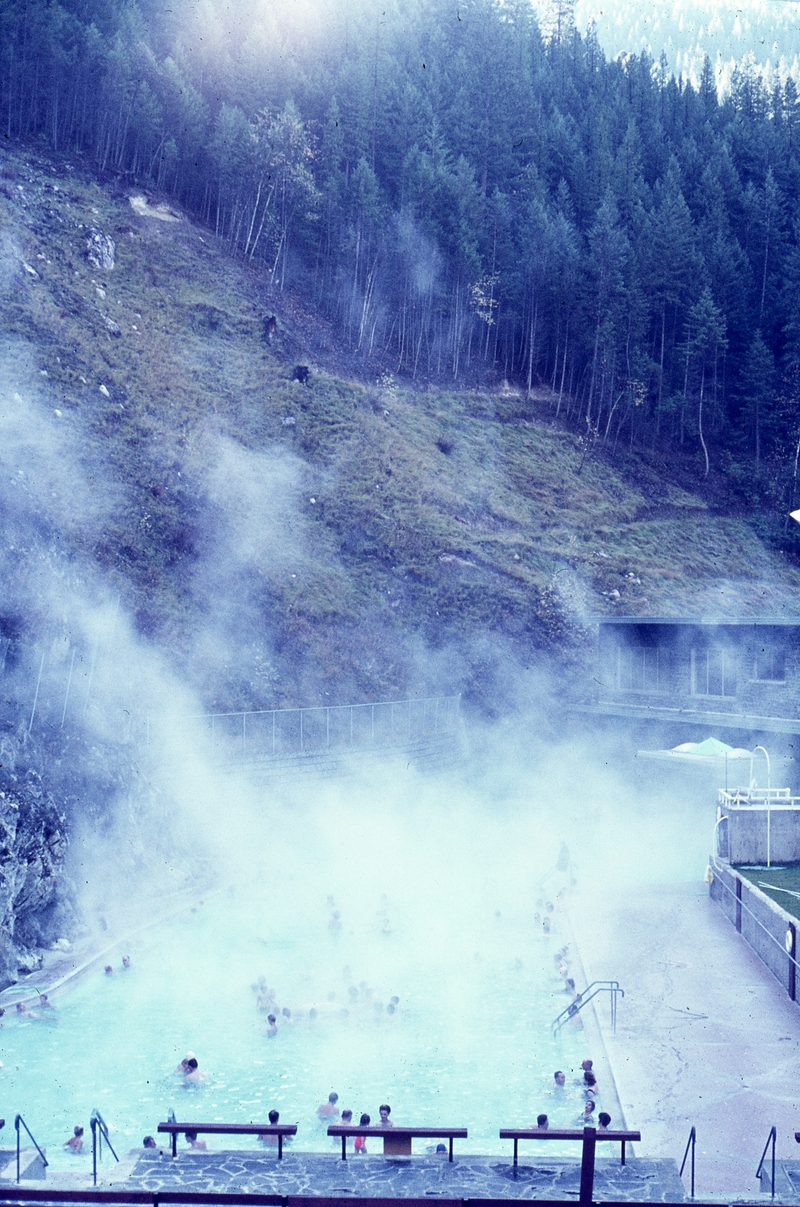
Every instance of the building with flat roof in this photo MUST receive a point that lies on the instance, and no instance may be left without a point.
(728, 677)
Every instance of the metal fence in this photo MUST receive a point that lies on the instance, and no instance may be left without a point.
(275, 732)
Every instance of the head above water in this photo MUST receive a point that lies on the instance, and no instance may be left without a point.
(559, 1077)
(148, 1142)
(364, 1121)
(274, 1117)
(604, 1118)
(333, 1097)
(347, 1115)
(384, 1111)
(541, 1120)
(586, 1065)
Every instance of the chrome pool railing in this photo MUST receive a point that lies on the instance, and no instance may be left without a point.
(691, 1144)
(99, 1133)
(612, 988)
(17, 1122)
(771, 1138)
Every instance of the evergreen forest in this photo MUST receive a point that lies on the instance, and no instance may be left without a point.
(465, 199)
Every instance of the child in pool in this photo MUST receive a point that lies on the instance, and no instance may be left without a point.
(360, 1142)
(75, 1141)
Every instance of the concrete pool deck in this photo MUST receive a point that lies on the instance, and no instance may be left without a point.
(705, 1034)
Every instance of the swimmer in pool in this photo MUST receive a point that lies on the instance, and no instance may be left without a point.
(108, 970)
(287, 1015)
(542, 1123)
(126, 961)
(193, 1074)
(384, 1112)
(603, 1121)
(560, 1079)
(75, 1141)
(183, 1067)
(587, 1118)
(193, 1142)
(590, 1086)
(360, 1142)
(149, 1142)
(272, 1029)
(329, 1109)
(267, 1137)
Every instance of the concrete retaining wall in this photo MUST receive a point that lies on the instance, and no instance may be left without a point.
(768, 940)
(747, 834)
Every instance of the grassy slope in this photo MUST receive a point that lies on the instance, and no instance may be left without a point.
(437, 516)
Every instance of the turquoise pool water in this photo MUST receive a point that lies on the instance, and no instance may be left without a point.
(470, 1043)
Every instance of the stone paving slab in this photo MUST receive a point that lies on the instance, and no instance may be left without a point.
(705, 1034)
(381, 1177)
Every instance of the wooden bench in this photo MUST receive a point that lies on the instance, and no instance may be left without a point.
(397, 1140)
(550, 1133)
(230, 1129)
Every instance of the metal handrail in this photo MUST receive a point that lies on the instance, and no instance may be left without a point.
(690, 1144)
(18, 1119)
(98, 1125)
(771, 1138)
(575, 1006)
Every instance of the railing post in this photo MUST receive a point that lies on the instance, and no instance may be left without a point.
(16, 1125)
(93, 1125)
(587, 1167)
(738, 922)
(791, 950)
(774, 1138)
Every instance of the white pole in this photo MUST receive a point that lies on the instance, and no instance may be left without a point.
(769, 811)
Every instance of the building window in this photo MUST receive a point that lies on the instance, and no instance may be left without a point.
(770, 665)
(642, 668)
(713, 673)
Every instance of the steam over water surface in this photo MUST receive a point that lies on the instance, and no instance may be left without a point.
(469, 1045)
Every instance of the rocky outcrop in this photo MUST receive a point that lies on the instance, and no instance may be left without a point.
(34, 908)
(101, 250)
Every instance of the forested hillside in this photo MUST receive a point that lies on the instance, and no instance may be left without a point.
(760, 35)
(457, 195)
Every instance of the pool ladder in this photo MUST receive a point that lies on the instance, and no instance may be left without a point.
(17, 1121)
(610, 987)
(99, 1133)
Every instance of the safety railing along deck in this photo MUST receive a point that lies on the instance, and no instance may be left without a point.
(269, 733)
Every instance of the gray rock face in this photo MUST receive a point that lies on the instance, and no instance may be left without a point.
(33, 846)
(101, 250)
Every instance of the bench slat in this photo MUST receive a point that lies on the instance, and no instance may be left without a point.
(551, 1133)
(347, 1129)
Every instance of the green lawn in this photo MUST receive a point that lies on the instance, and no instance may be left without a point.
(785, 880)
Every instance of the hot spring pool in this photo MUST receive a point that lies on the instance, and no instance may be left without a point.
(469, 1045)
